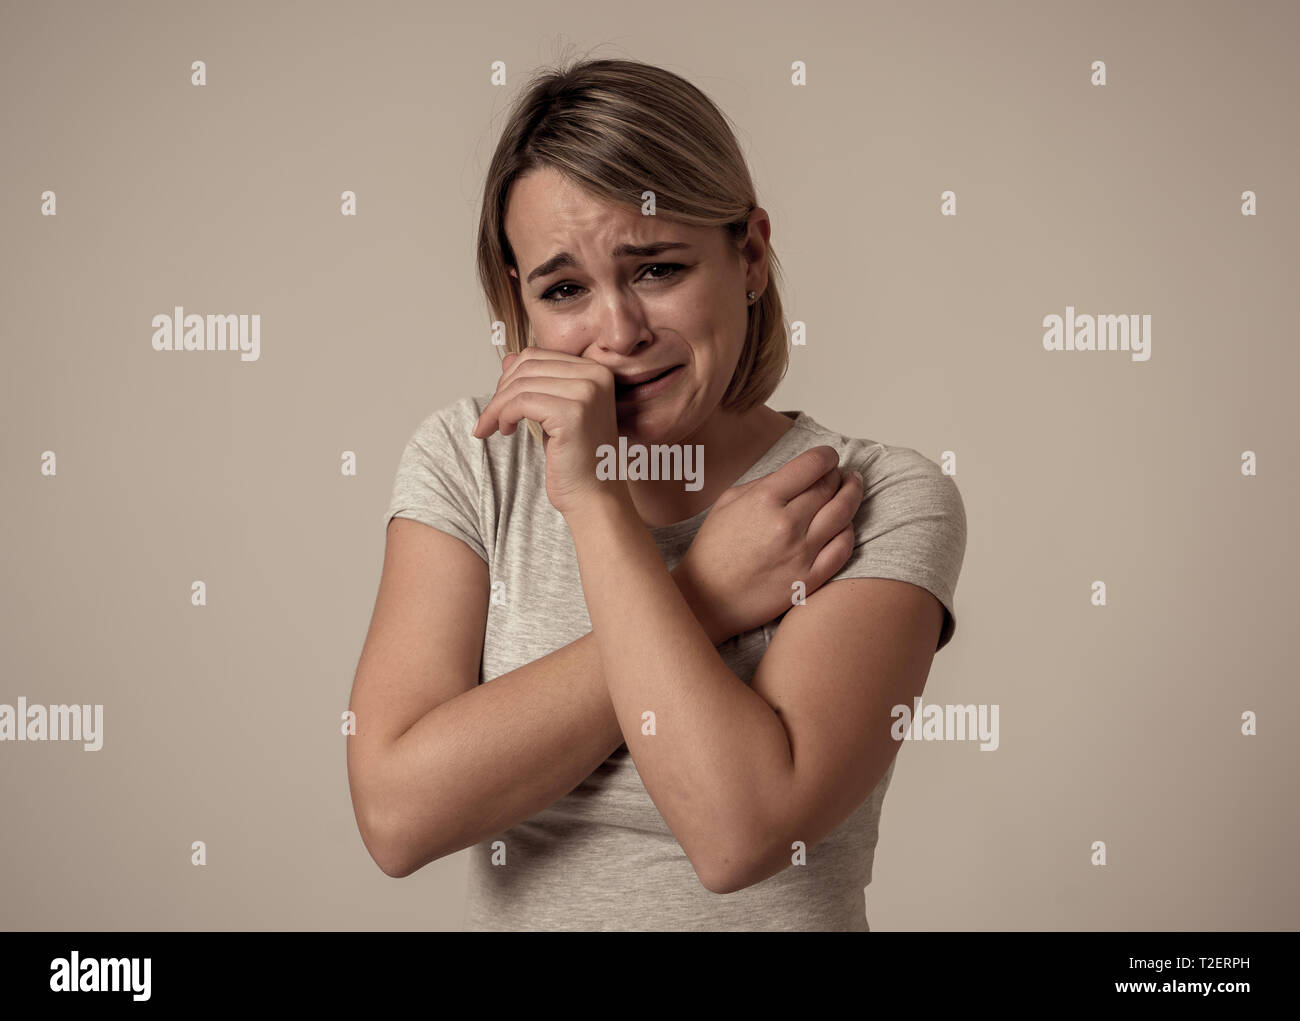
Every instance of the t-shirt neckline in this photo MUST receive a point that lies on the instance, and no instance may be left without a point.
(760, 467)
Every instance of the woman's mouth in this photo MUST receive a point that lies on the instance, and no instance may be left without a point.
(629, 393)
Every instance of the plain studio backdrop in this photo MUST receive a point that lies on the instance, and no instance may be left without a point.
(1120, 723)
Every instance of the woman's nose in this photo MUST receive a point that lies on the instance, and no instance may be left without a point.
(625, 327)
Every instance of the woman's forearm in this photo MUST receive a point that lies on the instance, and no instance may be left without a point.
(499, 753)
(712, 751)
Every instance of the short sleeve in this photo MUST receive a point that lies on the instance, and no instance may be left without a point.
(911, 526)
(440, 476)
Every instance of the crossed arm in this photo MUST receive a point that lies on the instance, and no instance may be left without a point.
(739, 772)
(439, 763)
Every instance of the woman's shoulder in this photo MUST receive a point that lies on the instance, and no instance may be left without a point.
(901, 483)
(461, 411)
(448, 430)
(876, 460)
(911, 525)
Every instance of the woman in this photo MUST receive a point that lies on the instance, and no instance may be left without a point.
(687, 724)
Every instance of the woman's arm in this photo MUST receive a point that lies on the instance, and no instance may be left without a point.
(743, 773)
(439, 762)
(712, 744)
(714, 754)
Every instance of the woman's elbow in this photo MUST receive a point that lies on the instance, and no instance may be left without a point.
(392, 844)
(380, 835)
(386, 827)
(384, 844)
(393, 867)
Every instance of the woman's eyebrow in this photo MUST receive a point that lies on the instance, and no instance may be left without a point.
(564, 259)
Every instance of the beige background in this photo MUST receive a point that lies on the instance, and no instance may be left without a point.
(1118, 723)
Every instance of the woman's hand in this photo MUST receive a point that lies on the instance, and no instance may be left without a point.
(795, 524)
(572, 399)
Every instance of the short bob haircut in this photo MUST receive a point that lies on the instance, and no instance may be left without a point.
(618, 128)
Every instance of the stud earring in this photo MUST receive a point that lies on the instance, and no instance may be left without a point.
(751, 296)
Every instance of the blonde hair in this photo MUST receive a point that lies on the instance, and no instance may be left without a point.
(618, 128)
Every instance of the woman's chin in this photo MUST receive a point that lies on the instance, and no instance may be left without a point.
(646, 423)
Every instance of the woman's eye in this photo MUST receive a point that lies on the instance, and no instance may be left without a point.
(555, 298)
(550, 295)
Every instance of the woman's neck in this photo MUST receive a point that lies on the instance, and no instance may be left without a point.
(731, 445)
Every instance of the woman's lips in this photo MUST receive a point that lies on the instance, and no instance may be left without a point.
(644, 391)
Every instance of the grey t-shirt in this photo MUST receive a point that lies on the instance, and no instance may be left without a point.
(602, 857)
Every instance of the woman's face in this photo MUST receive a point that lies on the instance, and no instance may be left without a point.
(638, 314)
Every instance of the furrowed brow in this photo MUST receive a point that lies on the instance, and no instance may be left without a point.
(566, 259)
